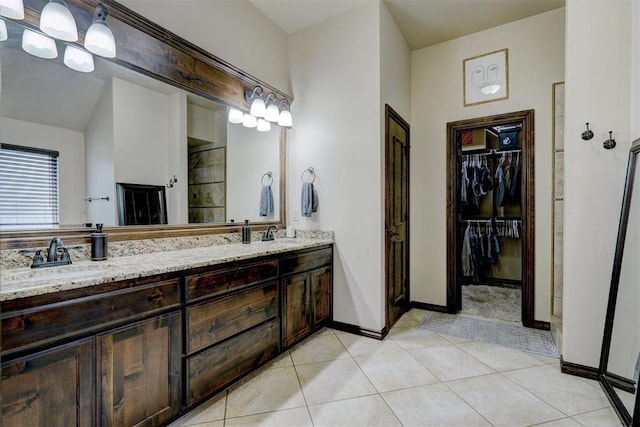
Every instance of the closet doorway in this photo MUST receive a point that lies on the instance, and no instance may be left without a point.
(490, 208)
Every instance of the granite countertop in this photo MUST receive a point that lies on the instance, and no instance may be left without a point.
(26, 282)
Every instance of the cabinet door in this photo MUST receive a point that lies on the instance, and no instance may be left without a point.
(51, 388)
(139, 371)
(321, 295)
(295, 315)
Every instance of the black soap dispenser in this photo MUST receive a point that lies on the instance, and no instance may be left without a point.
(98, 244)
(246, 232)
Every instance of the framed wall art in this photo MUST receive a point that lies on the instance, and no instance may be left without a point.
(486, 77)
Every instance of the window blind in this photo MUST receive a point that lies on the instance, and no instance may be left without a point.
(28, 187)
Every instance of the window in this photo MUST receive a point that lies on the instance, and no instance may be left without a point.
(28, 187)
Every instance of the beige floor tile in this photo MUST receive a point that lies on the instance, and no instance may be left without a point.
(606, 417)
(208, 412)
(449, 362)
(564, 422)
(321, 347)
(502, 402)
(272, 389)
(571, 394)
(360, 411)
(219, 423)
(335, 380)
(546, 359)
(358, 345)
(394, 370)
(500, 358)
(433, 405)
(455, 340)
(282, 361)
(296, 417)
(412, 338)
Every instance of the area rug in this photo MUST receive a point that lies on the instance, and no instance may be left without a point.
(492, 302)
(493, 332)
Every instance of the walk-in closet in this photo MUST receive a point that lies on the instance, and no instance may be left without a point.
(490, 217)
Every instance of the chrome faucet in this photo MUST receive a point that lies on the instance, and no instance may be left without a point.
(268, 235)
(56, 243)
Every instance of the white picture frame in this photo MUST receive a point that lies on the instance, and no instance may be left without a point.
(486, 77)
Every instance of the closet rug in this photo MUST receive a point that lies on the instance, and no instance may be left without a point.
(493, 332)
(492, 302)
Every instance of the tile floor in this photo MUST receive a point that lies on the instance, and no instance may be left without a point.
(413, 377)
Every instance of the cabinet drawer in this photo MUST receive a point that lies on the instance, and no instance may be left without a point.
(49, 323)
(306, 261)
(226, 279)
(217, 367)
(211, 322)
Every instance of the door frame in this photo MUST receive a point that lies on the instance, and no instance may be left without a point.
(454, 296)
(390, 113)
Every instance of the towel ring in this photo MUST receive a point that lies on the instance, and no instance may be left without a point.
(269, 176)
(312, 175)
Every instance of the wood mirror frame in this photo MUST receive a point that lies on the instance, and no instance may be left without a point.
(610, 381)
(526, 118)
(149, 49)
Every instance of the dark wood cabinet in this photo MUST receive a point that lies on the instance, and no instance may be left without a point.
(139, 372)
(50, 388)
(306, 294)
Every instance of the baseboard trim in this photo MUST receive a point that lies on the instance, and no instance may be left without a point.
(578, 370)
(355, 329)
(427, 306)
(539, 324)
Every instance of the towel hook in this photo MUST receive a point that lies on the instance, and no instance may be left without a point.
(312, 175)
(269, 176)
(609, 143)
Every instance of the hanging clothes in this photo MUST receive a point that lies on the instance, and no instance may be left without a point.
(467, 268)
(514, 189)
(464, 183)
(500, 184)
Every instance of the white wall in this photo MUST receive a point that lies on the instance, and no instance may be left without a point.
(177, 196)
(598, 91)
(536, 61)
(70, 145)
(234, 31)
(99, 160)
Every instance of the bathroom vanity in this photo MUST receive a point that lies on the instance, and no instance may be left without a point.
(140, 340)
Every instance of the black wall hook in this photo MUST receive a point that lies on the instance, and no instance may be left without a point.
(587, 134)
(609, 143)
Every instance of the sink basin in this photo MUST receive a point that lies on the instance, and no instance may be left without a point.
(51, 273)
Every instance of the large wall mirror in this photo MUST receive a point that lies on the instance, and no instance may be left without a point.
(620, 358)
(156, 115)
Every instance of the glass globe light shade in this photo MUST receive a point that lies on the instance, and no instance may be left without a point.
(258, 108)
(56, 20)
(3, 31)
(272, 114)
(78, 59)
(39, 45)
(235, 115)
(285, 119)
(263, 126)
(13, 9)
(99, 40)
(249, 121)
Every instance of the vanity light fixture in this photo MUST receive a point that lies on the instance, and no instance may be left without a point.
(263, 126)
(78, 59)
(249, 121)
(272, 113)
(57, 21)
(254, 99)
(13, 9)
(99, 38)
(39, 45)
(285, 119)
(3, 31)
(235, 115)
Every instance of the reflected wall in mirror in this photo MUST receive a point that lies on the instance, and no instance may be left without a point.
(116, 125)
(620, 358)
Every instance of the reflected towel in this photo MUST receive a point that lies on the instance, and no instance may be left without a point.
(266, 201)
(309, 199)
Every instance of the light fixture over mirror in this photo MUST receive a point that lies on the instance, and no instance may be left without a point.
(99, 37)
(235, 116)
(78, 59)
(3, 31)
(57, 21)
(285, 119)
(254, 98)
(272, 113)
(39, 45)
(13, 9)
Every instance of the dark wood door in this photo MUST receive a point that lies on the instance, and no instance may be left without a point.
(295, 316)
(139, 371)
(51, 388)
(321, 286)
(396, 216)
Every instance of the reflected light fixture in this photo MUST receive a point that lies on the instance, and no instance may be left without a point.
(99, 37)
(285, 119)
(263, 126)
(39, 45)
(78, 59)
(57, 21)
(13, 9)
(3, 31)
(249, 121)
(254, 98)
(235, 115)
(272, 113)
